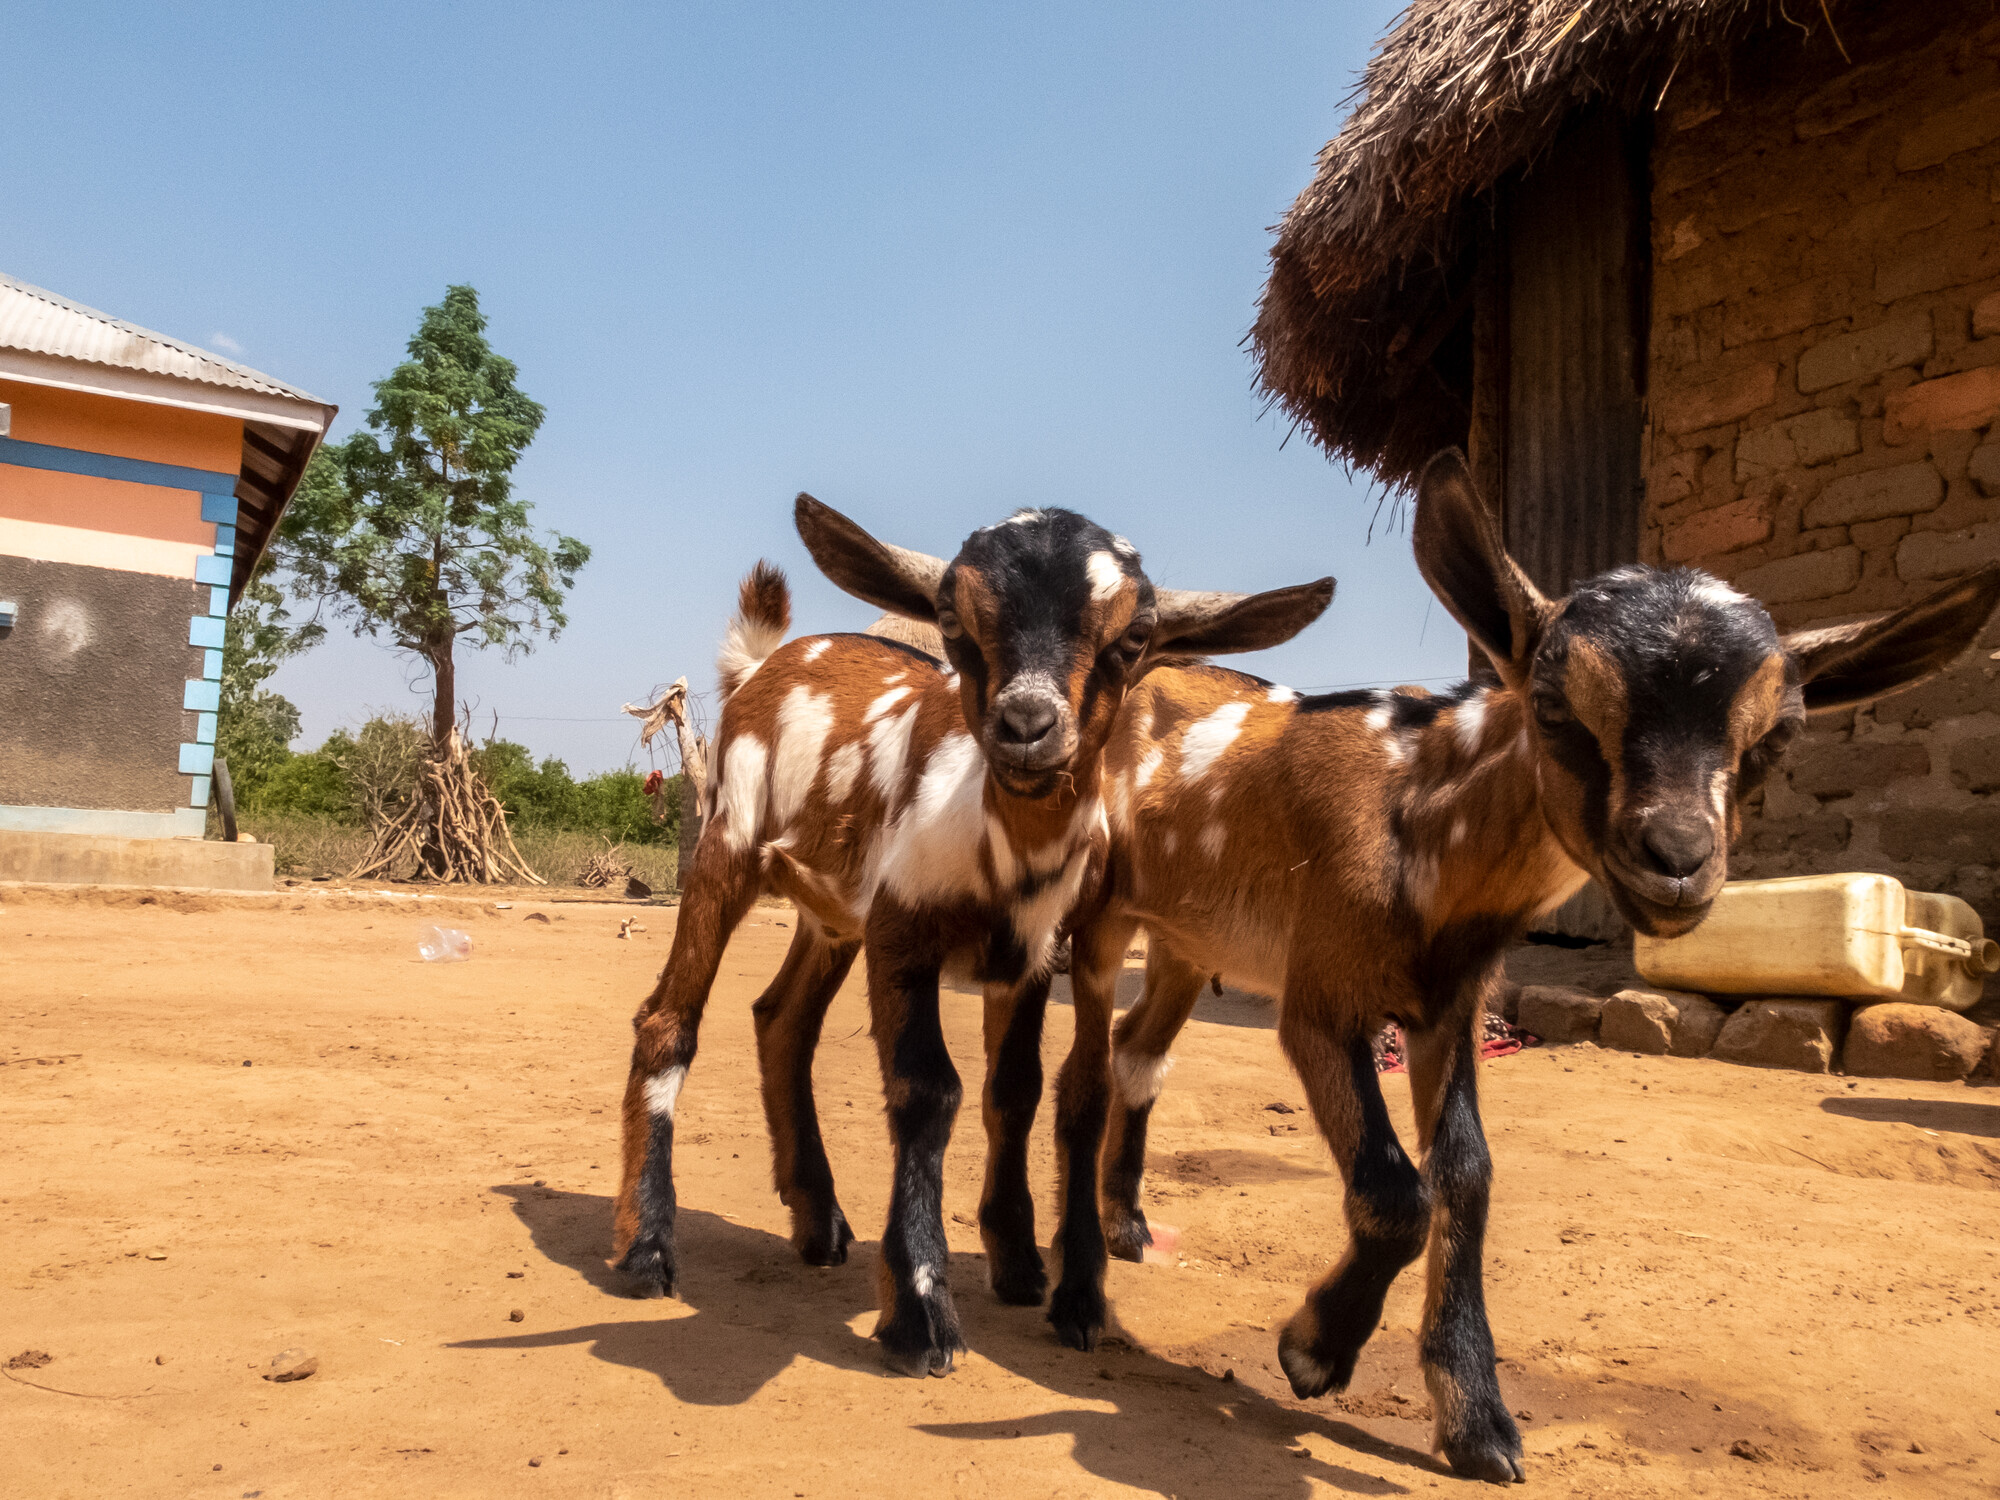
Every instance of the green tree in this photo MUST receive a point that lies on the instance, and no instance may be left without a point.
(255, 727)
(411, 530)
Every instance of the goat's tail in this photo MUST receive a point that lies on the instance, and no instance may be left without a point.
(763, 615)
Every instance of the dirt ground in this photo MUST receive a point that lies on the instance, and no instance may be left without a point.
(237, 1125)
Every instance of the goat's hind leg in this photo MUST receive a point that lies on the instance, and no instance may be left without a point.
(1139, 1064)
(1014, 1017)
(788, 1016)
(1388, 1204)
(720, 889)
(1474, 1427)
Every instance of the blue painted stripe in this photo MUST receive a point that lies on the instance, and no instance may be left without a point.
(206, 630)
(204, 729)
(219, 509)
(202, 697)
(218, 601)
(111, 466)
(211, 666)
(198, 792)
(213, 569)
(197, 760)
(225, 541)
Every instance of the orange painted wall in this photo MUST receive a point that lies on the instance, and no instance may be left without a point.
(129, 429)
(103, 505)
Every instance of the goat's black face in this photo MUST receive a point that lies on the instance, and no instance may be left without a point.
(1659, 699)
(1044, 615)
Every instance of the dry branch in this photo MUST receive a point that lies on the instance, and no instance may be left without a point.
(454, 829)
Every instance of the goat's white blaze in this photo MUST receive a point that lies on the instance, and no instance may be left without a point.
(663, 1090)
(740, 803)
(816, 650)
(843, 769)
(931, 851)
(888, 748)
(1207, 738)
(884, 703)
(1139, 1077)
(805, 719)
(1106, 577)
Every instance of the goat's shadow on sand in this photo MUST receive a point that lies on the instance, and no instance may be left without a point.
(1969, 1117)
(749, 1308)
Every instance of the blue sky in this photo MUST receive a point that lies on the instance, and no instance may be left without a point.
(929, 263)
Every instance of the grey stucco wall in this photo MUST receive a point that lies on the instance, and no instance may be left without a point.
(91, 685)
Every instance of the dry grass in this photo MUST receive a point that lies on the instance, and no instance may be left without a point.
(317, 846)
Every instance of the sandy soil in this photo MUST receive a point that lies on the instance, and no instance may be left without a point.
(1684, 1255)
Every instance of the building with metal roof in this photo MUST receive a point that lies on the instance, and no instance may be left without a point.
(141, 479)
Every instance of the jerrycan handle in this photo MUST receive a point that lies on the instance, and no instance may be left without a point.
(1982, 957)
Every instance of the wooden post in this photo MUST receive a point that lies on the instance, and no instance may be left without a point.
(672, 707)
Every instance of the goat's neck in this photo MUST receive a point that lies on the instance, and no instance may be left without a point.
(1471, 816)
(1035, 823)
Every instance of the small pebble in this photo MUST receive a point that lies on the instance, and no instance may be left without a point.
(156, 1255)
(1229, 1377)
(292, 1364)
(246, 1062)
(516, 1275)
(516, 1316)
(534, 1463)
(159, 1359)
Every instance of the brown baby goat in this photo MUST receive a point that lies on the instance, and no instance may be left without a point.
(1371, 855)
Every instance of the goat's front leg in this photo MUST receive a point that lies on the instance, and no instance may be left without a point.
(788, 1016)
(1014, 1016)
(721, 887)
(917, 1325)
(1083, 1098)
(1139, 1063)
(1388, 1204)
(1474, 1428)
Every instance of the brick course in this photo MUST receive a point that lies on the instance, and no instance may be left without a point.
(1824, 383)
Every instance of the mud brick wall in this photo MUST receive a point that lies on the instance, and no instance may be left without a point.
(1824, 404)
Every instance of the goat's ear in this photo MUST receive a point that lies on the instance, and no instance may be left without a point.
(1843, 665)
(1196, 624)
(1462, 557)
(891, 578)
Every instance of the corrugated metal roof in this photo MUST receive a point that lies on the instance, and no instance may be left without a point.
(41, 322)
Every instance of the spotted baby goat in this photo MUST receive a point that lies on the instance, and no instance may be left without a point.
(937, 816)
(1371, 855)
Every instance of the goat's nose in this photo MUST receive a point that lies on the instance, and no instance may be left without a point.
(1025, 720)
(1678, 846)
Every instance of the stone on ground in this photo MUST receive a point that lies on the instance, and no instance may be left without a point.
(1660, 1022)
(1895, 1040)
(1558, 1013)
(292, 1364)
(1800, 1034)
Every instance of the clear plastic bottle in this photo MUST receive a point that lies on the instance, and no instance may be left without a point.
(444, 945)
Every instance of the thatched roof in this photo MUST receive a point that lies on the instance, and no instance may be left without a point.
(1371, 268)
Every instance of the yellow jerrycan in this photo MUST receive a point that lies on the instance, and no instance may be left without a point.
(1862, 936)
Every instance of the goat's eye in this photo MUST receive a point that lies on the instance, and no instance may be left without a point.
(948, 626)
(1136, 635)
(1550, 711)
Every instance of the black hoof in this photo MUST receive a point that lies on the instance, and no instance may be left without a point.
(1077, 1313)
(1127, 1237)
(825, 1241)
(1484, 1443)
(648, 1268)
(925, 1344)
(1019, 1280)
(1313, 1372)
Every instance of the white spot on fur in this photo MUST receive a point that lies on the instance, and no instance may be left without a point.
(1023, 518)
(1139, 1077)
(1281, 695)
(884, 703)
(923, 1279)
(931, 851)
(1207, 738)
(1123, 548)
(805, 719)
(1469, 720)
(843, 768)
(740, 804)
(1170, 841)
(663, 1090)
(1714, 591)
(1457, 832)
(888, 748)
(1006, 869)
(1213, 837)
(1377, 720)
(1106, 577)
(1718, 793)
(1148, 764)
(894, 677)
(1037, 918)
(816, 650)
